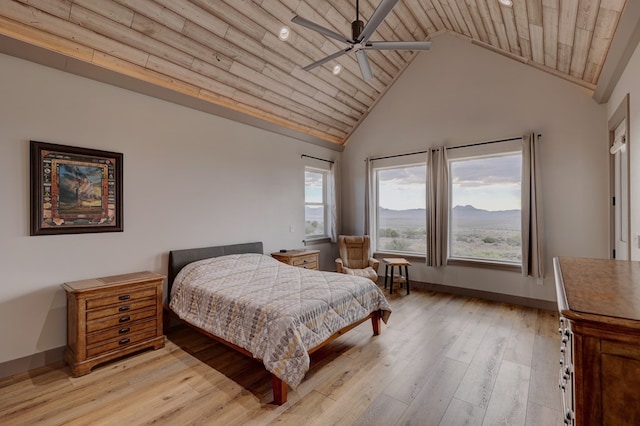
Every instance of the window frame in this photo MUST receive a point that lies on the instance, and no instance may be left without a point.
(478, 152)
(388, 164)
(325, 204)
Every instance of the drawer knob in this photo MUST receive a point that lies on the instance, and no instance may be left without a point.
(124, 341)
(124, 330)
(124, 297)
(124, 308)
(125, 318)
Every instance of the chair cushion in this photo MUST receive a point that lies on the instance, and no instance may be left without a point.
(354, 250)
(367, 272)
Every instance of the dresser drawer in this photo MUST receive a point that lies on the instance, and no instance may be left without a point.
(123, 330)
(567, 374)
(120, 319)
(120, 309)
(121, 297)
(309, 262)
(307, 259)
(120, 343)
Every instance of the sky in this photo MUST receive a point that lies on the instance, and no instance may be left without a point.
(402, 188)
(491, 183)
(312, 187)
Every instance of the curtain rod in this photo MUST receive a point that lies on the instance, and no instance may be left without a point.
(453, 147)
(316, 158)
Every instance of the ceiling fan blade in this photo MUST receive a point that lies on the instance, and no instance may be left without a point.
(376, 19)
(363, 63)
(322, 30)
(398, 45)
(327, 59)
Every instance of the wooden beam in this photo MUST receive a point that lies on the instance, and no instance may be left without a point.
(623, 45)
(541, 67)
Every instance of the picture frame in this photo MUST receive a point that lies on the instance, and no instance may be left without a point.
(75, 190)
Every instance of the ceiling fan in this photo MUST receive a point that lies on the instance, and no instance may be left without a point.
(359, 41)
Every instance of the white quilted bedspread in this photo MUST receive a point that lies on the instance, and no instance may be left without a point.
(275, 311)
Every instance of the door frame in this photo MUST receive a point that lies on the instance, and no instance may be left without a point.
(621, 113)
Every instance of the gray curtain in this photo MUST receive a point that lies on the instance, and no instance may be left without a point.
(333, 209)
(368, 208)
(532, 219)
(437, 207)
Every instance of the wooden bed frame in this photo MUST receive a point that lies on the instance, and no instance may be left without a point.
(178, 259)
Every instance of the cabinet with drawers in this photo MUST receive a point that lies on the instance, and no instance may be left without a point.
(599, 306)
(111, 317)
(308, 259)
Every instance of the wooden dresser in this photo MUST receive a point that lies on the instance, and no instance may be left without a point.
(599, 305)
(110, 317)
(309, 259)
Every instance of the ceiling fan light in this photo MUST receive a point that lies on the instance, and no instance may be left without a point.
(337, 69)
(283, 33)
(506, 2)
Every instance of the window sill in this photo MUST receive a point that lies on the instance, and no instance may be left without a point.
(314, 241)
(415, 257)
(509, 267)
(453, 262)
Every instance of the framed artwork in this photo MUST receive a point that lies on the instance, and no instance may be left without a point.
(75, 190)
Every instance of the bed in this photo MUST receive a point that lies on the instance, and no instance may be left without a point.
(265, 309)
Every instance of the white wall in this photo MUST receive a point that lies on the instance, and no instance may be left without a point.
(458, 93)
(190, 180)
(629, 83)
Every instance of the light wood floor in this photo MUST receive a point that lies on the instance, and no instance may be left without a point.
(441, 360)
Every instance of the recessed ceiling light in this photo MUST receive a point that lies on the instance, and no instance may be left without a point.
(284, 32)
(336, 69)
(506, 2)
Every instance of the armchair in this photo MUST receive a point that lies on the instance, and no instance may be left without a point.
(355, 257)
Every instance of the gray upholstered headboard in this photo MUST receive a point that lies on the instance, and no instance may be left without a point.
(178, 259)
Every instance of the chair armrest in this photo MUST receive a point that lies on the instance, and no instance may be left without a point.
(374, 263)
(339, 265)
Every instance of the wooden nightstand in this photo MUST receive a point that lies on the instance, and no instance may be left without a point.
(110, 317)
(308, 259)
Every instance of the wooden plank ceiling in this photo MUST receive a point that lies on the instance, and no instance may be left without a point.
(227, 52)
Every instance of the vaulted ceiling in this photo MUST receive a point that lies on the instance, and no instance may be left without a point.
(227, 52)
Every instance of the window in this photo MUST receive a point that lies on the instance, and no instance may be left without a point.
(401, 209)
(485, 208)
(315, 203)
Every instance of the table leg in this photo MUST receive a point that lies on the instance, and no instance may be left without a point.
(391, 283)
(406, 276)
(386, 271)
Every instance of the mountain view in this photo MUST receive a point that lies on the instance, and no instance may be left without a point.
(463, 215)
(476, 233)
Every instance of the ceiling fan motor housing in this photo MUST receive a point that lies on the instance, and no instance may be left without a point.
(356, 29)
